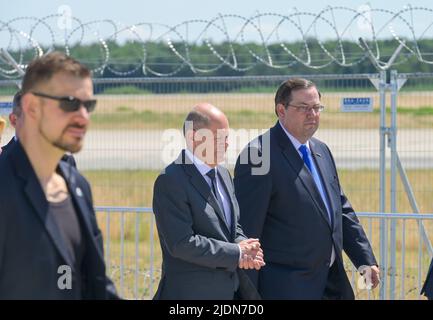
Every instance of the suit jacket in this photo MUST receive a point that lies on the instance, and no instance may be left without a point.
(8, 145)
(66, 157)
(427, 288)
(284, 209)
(199, 250)
(31, 246)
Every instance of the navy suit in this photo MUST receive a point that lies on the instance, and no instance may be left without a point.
(283, 208)
(31, 245)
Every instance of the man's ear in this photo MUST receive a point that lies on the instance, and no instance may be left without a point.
(12, 119)
(281, 110)
(29, 105)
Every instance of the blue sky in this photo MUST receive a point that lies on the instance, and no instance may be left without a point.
(171, 12)
(176, 11)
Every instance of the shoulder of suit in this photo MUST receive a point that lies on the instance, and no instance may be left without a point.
(173, 174)
(172, 169)
(257, 142)
(318, 144)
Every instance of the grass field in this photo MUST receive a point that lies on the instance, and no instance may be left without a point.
(134, 188)
(247, 110)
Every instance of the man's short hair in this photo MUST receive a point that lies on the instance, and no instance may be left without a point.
(284, 92)
(16, 104)
(199, 121)
(44, 68)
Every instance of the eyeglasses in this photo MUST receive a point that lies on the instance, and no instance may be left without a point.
(69, 103)
(306, 109)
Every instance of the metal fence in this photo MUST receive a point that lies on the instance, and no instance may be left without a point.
(135, 129)
(133, 255)
(384, 157)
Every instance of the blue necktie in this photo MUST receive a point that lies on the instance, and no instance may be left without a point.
(317, 180)
(304, 151)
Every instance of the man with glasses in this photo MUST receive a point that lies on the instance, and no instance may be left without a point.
(50, 243)
(297, 208)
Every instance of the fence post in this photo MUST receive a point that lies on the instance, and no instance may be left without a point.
(382, 206)
(393, 145)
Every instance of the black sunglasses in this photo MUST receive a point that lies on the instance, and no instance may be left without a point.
(69, 103)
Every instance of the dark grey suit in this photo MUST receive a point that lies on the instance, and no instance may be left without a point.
(200, 254)
(283, 208)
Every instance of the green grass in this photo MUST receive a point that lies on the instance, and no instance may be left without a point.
(8, 91)
(420, 111)
(128, 119)
(126, 90)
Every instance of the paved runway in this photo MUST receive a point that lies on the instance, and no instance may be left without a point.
(154, 149)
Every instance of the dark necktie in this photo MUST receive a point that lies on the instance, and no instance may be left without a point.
(304, 151)
(212, 176)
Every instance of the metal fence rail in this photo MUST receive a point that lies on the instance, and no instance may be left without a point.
(133, 255)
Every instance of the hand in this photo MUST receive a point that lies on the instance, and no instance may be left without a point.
(251, 254)
(375, 276)
(248, 262)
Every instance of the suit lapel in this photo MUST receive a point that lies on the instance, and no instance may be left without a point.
(323, 168)
(35, 195)
(297, 164)
(200, 184)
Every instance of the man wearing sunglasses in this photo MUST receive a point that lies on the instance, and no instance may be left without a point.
(16, 121)
(50, 243)
(297, 208)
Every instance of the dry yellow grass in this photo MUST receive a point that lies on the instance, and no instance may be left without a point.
(361, 187)
(237, 101)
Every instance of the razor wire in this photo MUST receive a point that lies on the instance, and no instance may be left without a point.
(30, 37)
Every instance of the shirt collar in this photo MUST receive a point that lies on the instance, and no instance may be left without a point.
(202, 167)
(294, 141)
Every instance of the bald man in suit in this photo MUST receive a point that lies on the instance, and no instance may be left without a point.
(203, 246)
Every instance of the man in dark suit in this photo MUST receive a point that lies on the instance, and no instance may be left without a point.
(50, 243)
(290, 199)
(16, 122)
(427, 288)
(203, 245)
